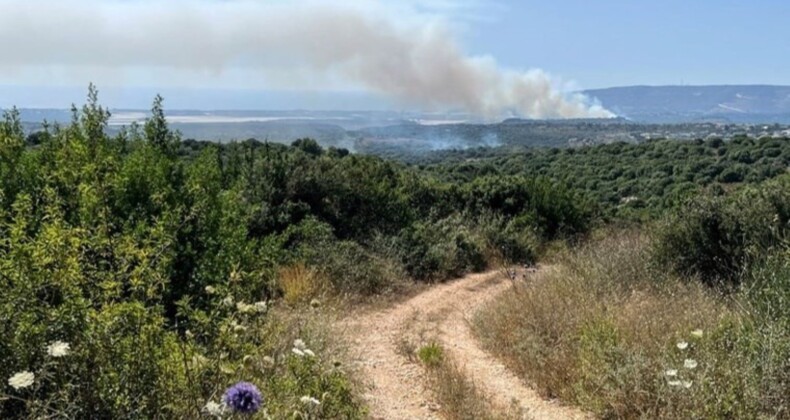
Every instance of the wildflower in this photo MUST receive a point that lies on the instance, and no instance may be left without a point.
(260, 306)
(58, 349)
(308, 400)
(671, 372)
(674, 383)
(299, 344)
(297, 352)
(214, 409)
(210, 290)
(245, 308)
(690, 364)
(682, 345)
(697, 333)
(687, 384)
(228, 301)
(22, 380)
(243, 397)
(308, 352)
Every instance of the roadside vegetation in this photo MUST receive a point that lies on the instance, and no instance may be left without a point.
(686, 319)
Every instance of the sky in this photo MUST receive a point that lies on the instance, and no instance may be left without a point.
(608, 43)
(475, 55)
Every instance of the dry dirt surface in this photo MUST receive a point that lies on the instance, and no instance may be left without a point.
(397, 386)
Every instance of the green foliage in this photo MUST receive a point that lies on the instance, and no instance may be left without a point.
(631, 181)
(431, 355)
(715, 237)
(441, 249)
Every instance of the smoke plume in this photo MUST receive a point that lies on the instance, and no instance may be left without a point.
(392, 51)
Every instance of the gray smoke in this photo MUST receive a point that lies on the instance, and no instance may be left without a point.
(389, 51)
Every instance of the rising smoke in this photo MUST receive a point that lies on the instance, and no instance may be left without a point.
(395, 52)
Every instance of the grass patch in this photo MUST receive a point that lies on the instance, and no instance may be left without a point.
(431, 355)
(605, 330)
(300, 283)
(458, 397)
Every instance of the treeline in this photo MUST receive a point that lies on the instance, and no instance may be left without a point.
(629, 180)
(145, 255)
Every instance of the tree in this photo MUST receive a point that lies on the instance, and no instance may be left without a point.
(156, 130)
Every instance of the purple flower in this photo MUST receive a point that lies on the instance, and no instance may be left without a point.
(243, 397)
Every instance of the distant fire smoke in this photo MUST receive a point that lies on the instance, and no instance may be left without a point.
(412, 60)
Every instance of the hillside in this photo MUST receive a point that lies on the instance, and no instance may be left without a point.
(671, 104)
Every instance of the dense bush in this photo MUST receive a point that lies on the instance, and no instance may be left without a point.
(715, 236)
(441, 249)
(140, 269)
(632, 181)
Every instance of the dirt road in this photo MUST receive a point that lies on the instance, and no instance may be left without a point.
(397, 385)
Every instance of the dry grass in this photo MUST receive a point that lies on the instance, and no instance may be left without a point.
(299, 283)
(600, 328)
(458, 397)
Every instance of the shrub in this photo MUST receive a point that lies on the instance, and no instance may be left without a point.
(440, 250)
(350, 267)
(715, 237)
(356, 270)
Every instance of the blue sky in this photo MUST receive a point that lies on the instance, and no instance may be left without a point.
(390, 53)
(625, 42)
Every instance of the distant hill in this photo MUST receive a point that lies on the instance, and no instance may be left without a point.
(669, 104)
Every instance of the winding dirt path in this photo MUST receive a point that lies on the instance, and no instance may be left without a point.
(397, 385)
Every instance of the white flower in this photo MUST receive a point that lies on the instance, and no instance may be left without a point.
(673, 383)
(687, 384)
(210, 290)
(228, 301)
(308, 352)
(245, 308)
(58, 349)
(683, 345)
(689, 363)
(299, 344)
(22, 380)
(260, 306)
(697, 333)
(214, 409)
(671, 372)
(308, 400)
(297, 352)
